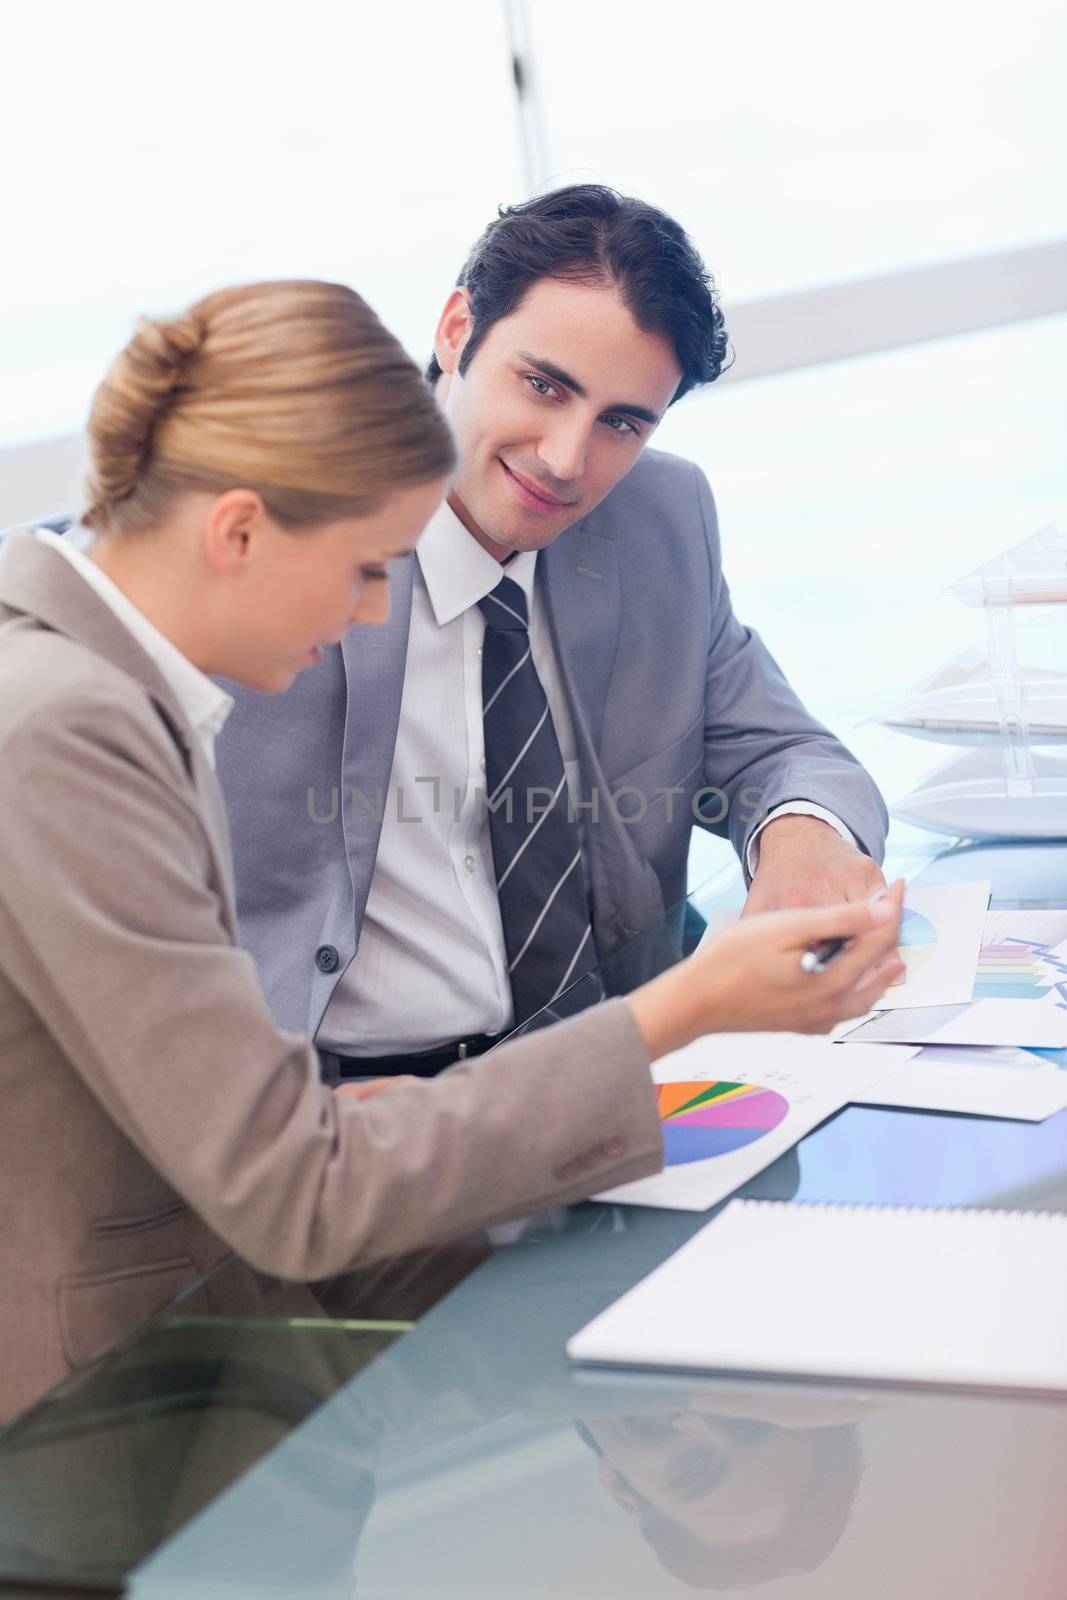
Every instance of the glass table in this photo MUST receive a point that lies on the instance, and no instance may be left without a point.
(414, 1431)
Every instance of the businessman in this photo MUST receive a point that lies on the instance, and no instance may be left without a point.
(456, 816)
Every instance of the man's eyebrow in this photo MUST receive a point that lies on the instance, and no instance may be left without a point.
(557, 374)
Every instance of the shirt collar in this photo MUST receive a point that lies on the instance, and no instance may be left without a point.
(458, 572)
(204, 703)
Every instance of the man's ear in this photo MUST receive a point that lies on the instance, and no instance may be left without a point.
(453, 330)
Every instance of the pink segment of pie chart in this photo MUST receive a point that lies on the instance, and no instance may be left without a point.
(763, 1110)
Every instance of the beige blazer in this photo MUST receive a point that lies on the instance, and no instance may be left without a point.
(152, 1112)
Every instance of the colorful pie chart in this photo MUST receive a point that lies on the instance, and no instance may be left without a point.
(701, 1120)
(918, 939)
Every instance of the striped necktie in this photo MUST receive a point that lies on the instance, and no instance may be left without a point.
(536, 849)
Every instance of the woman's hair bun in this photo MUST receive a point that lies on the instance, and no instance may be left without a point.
(143, 384)
(291, 388)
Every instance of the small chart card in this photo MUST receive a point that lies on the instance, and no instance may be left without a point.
(940, 939)
(941, 929)
(731, 1104)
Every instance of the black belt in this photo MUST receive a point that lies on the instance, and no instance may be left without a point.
(423, 1064)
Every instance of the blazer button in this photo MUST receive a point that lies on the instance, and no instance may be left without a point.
(326, 958)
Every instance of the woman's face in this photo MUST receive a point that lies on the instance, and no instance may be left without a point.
(304, 589)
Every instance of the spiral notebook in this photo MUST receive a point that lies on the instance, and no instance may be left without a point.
(869, 1294)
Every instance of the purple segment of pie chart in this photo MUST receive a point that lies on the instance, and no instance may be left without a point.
(763, 1110)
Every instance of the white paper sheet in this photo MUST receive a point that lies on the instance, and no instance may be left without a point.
(977, 1082)
(1022, 953)
(799, 1081)
(1040, 1025)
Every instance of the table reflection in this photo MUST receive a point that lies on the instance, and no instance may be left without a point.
(731, 1499)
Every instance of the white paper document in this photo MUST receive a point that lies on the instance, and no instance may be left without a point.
(732, 1103)
(978, 1082)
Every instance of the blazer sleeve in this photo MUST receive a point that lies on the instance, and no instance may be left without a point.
(762, 746)
(111, 931)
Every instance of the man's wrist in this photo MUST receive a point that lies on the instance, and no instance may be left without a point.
(803, 840)
(782, 832)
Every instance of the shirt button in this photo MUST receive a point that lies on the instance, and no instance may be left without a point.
(482, 763)
(479, 652)
(470, 863)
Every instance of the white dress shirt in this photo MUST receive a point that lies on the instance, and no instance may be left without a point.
(204, 703)
(431, 965)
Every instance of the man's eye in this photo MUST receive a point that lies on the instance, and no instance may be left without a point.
(620, 424)
(373, 574)
(539, 385)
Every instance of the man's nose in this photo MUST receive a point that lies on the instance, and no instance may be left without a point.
(373, 607)
(564, 447)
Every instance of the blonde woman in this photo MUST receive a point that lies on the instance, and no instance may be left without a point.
(256, 464)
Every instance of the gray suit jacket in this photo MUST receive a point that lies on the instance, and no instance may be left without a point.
(671, 697)
(152, 1110)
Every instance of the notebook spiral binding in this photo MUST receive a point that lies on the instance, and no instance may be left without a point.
(877, 1208)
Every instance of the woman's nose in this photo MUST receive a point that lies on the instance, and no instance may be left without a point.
(373, 607)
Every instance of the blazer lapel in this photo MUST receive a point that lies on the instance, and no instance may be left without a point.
(581, 584)
(375, 660)
(41, 583)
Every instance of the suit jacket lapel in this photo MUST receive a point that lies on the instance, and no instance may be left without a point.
(582, 593)
(581, 584)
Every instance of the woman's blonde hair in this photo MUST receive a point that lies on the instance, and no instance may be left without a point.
(293, 389)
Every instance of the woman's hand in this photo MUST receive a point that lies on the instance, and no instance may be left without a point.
(748, 979)
(366, 1088)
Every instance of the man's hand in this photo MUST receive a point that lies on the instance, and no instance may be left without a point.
(804, 862)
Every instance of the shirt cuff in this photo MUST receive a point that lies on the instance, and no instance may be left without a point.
(796, 808)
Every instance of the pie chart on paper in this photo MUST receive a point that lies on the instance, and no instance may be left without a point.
(701, 1120)
(918, 940)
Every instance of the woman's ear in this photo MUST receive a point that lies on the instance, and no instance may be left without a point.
(453, 330)
(233, 521)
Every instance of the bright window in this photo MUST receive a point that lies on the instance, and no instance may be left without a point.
(808, 143)
(154, 153)
(851, 495)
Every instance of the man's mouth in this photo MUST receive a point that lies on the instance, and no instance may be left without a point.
(534, 498)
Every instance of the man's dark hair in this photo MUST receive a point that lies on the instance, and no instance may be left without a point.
(590, 234)
(812, 1525)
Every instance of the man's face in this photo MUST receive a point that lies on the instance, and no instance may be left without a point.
(555, 407)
